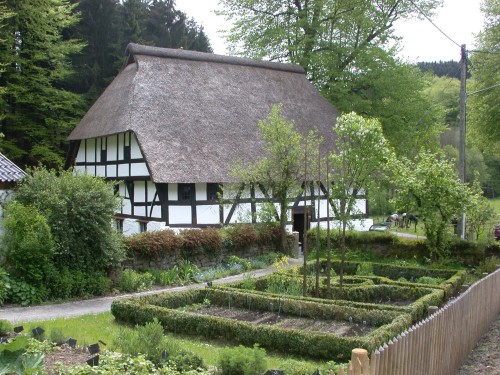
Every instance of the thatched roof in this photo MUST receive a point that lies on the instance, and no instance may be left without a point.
(9, 172)
(194, 114)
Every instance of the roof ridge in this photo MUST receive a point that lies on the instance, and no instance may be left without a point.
(139, 49)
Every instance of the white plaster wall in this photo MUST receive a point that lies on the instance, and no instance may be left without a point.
(179, 215)
(172, 192)
(139, 169)
(208, 214)
(123, 170)
(201, 192)
(135, 151)
(156, 213)
(112, 148)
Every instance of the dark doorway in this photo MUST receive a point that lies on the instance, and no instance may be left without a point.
(298, 222)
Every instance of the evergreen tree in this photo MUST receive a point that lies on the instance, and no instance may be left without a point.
(38, 112)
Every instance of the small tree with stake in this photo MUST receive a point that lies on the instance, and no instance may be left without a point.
(279, 171)
(362, 151)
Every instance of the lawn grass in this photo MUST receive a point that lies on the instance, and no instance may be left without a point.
(89, 329)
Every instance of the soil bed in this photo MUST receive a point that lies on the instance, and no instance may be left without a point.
(284, 321)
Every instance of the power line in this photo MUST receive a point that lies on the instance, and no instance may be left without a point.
(433, 24)
(485, 89)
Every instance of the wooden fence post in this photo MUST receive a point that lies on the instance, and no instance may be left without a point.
(360, 363)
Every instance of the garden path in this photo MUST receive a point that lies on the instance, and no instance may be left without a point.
(103, 304)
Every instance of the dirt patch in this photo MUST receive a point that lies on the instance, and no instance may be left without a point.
(64, 357)
(485, 358)
(284, 321)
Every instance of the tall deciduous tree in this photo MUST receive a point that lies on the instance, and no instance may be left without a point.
(483, 106)
(362, 152)
(280, 170)
(38, 112)
(344, 47)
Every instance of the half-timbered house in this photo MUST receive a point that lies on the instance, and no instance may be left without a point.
(173, 122)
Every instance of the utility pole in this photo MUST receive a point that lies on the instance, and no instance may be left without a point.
(461, 146)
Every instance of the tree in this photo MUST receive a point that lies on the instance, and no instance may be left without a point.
(280, 170)
(479, 212)
(361, 153)
(37, 113)
(483, 109)
(79, 210)
(429, 186)
(344, 48)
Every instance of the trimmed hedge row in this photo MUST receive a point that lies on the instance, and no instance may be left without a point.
(389, 271)
(367, 296)
(141, 310)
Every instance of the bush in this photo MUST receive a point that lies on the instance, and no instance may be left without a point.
(20, 292)
(241, 236)
(4, 283)
(184, 361)
(27, 244)
(153, 244)
(148, 340)
(79, 210)
(5, 327)
(132, 281)
(166, 277)
(242, 361)
(208, 240)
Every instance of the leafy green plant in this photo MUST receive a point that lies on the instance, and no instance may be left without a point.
(4, 283)
(242, 361)
(14, 358)
(364, 269)
(187, 271)
(57, 336)
(185, 360)
(5, 327)
(27, 244)
(133, 281)
(429, 280)
(22, 293)
(166, 277)
(148, 340)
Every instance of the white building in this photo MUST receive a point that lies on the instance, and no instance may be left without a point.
(10, 174)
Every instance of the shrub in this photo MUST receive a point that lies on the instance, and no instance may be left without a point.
(242, 361)
(22, 293)
(166, 277)
(4, 283)
(208, 240)
(148, 340)
(188, 272)
(185, 360)
(243, 264)
(78, 209)
(132, 281)
(267, 234)
(5, 327)
(153, 244)
(241, 235)
(27, 244)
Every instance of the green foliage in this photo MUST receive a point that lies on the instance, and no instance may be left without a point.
(27, 244)
(188, 272)
(39, 112)
(147, 339)
(5, 327)
(185, 360)
(242, 361)
(429, 185)
(483, 107)
(16, 359)
(279, 171)
(429, 280)
(79, 210)
(166, 277)
(20, 292)
(153, 244)
(133, 281)
(4, 285)
(243, 264)
(68, 283)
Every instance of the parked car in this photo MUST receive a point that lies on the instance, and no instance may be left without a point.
(497, 231)
(380, 227)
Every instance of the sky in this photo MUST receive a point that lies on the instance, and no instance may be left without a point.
(461, 20)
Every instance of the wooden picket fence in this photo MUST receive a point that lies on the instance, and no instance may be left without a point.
(439, 344)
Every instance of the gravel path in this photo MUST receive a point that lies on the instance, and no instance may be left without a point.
(103, 304)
